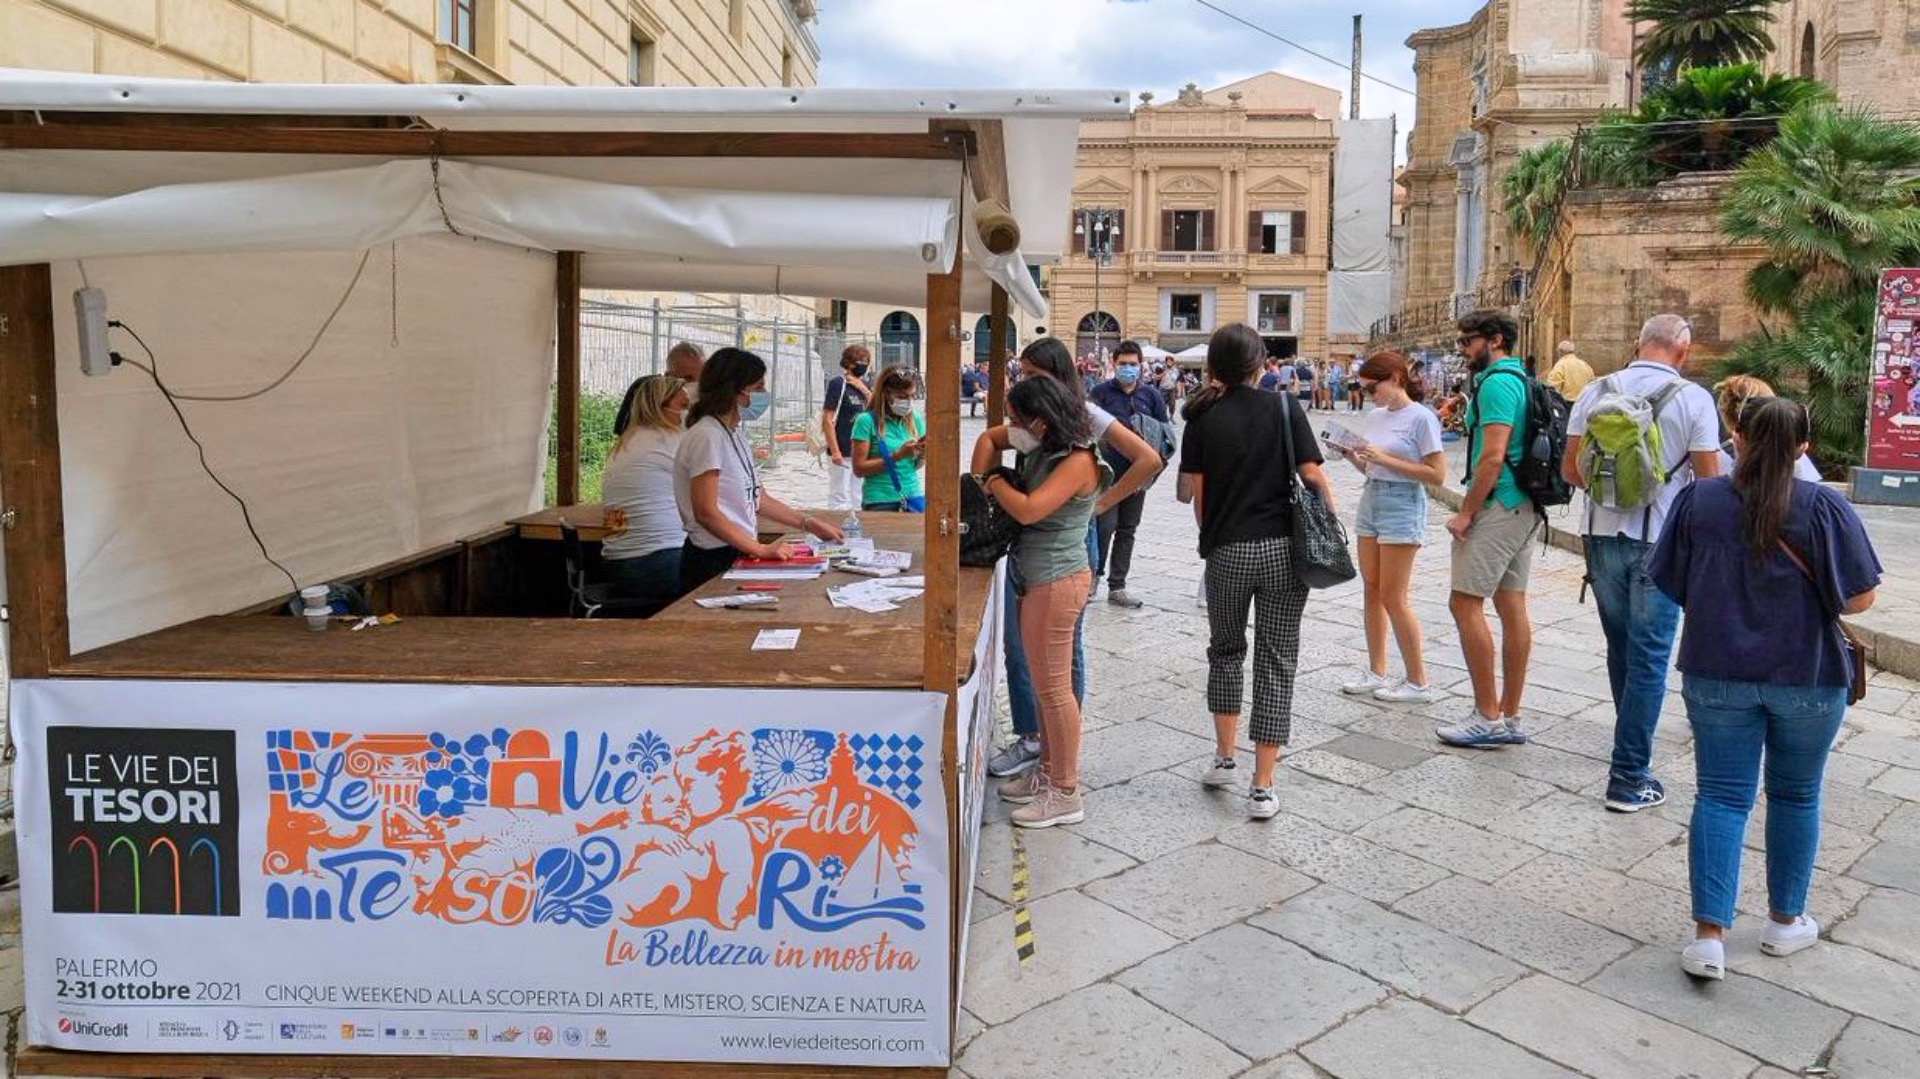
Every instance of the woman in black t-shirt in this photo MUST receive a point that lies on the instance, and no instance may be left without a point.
(846, 398)
(1244, 502)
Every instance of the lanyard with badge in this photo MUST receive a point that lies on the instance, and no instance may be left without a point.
(746, 464)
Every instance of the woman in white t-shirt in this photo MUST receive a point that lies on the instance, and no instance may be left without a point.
(1400, 457)
(715, 481)
(641, 553)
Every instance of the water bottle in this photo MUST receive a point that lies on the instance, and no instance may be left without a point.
(851, 526)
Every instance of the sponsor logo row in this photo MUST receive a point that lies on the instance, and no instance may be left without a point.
(260, 1030)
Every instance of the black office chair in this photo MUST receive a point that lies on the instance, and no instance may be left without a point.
(588, 599)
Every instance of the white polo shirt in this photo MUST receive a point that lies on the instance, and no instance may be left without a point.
(1689, 423)
(708, 446)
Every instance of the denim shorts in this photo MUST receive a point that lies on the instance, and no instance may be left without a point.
(1393, 512)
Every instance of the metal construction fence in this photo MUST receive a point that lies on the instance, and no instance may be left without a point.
(621, 342)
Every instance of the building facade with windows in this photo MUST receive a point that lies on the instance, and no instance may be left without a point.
(527, 42)
(1865, 49)
(1212, 208)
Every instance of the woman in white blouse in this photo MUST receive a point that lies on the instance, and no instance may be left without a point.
(642, 549)
(715, 482)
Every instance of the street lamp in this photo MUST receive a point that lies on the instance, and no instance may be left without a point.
(1099, 229)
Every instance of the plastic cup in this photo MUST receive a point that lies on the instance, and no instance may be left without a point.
(317, 618)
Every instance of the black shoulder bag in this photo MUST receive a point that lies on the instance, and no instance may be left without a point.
(1320, 555)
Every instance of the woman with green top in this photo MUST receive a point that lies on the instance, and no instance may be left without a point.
(889, 446)
(1060, 478)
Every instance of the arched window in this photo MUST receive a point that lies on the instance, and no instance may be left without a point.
(1097, 331)
(899, 339)
(983, 339)
(1807, 52)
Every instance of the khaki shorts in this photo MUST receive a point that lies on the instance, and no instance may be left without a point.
(1497, 554)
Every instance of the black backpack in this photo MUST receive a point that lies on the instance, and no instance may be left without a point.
(1543, 444)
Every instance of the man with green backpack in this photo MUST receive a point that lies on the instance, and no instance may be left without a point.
(1635, 438)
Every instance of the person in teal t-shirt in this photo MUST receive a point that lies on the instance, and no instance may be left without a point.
(1493, 536)
(889, 430)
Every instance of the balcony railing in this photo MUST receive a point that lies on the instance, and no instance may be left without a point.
(1436, 318)
(1198, 260)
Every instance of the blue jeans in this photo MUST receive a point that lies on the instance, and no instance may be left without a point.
(1639, 621)
(1021, 700)
(1732, 723)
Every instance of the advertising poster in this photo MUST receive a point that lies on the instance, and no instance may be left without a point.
(1893, 415)
(581, 872)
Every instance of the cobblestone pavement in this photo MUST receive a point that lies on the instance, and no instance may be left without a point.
(1417, 911)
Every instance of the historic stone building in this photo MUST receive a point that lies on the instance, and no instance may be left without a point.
(1865, 49)
(1517, 74)
(529, 42)
(1215, 207)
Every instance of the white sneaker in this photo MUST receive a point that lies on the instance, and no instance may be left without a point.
(1262, 803)
(1705, 958)
(1779, 939)
(1222, 774)
(1405, 692)
(1368, 682)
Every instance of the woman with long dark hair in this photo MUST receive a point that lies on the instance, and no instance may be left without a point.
(1049, 358)
(1402, 454)
(1060, 478)
(1244, 504)
(715, 481)
(1764, 565)
(890, 445)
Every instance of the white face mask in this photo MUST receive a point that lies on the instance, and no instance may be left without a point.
(1022, 440)
(902, 409)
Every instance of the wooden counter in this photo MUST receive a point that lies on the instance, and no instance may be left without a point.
(684, 645)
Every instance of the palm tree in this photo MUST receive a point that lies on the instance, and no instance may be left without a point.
(1835, 198)
(1531, 192)
(1702, 33)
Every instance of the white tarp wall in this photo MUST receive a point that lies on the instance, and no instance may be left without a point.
(418, 420)
(1360, 288)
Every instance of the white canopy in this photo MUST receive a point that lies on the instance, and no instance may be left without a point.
(845, 227)
(1153, 352)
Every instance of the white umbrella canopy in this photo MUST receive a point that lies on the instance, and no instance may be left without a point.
(1153, 352)
(1194, 356)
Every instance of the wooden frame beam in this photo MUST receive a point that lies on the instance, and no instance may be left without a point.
(567, 375)
(986, 148)
(33, 520)
(940, 665)
(999, 323)
(243, 138)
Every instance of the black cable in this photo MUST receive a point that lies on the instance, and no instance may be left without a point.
(153, 372)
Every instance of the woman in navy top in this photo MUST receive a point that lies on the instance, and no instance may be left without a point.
(1764, 565)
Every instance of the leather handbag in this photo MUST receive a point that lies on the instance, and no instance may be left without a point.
(1320, 555)
(1858, 655)
(987, 530)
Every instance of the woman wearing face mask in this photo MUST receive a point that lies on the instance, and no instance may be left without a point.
(715, 481)
(1763, 564)
(1401, 456)
(889, 447)
(1062, 477)
(1049, 358)
(846, 398)
(643, 559)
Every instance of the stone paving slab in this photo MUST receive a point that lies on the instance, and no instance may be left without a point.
(1870, 1050)
(1078, 941)
(1383, 753)
(1059, 858)
(1831, 898)
(1411, 956)
(1281, 996)
(1198, 889)
(1157, 814)
(1756, 1017)
(1546, 940)
(1100, 1032)
(1886, 922)
(1602, 1038)
(1363, 868)
(1894, 865)
(1449, 843)
(1126, 750)
(1584, 829)
(1405, 1040)
(1462, 789)
(1630, 907)
(1845, 977)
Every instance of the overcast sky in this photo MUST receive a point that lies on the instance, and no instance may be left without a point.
(1133, 45)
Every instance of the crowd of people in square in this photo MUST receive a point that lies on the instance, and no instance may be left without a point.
(1687, 501)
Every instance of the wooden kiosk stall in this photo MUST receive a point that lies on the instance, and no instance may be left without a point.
(457, 843)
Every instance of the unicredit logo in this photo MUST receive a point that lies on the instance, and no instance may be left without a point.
(89, 1029)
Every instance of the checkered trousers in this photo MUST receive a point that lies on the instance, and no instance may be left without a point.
(1260, 575)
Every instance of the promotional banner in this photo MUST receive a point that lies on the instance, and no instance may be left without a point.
(1893, 415)
(617, 873)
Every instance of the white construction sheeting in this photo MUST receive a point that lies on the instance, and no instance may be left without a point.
(1360, 289)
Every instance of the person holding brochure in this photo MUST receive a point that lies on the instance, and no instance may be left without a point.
(1060, 478)
(1400, 454)
(890, 447)
(715, 482)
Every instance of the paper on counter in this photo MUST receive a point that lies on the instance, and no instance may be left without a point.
(776, 640)
(885, 559)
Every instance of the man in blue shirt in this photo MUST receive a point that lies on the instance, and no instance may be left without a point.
(1493, 536)
(1125, 395)
(1270, 382)
(1638, 619)
(973, 388)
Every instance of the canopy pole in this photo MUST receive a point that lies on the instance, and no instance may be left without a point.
(1001, 327)
(940, 664)
(35, 524)
(567, 375)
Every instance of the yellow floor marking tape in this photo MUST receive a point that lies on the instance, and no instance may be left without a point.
(1022, 887)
